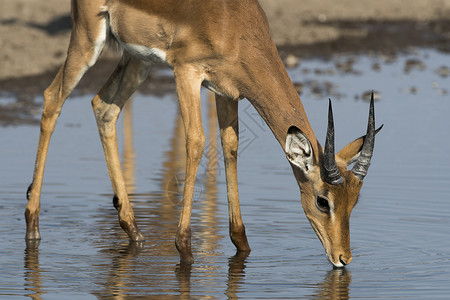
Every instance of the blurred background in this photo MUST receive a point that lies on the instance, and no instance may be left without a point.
(34, 34)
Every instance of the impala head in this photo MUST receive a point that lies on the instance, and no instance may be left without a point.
(329, 190)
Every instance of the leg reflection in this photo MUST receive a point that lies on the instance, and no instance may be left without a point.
(208, 198)
(183, 274)
(121, 271)
(33, 275)
(128, 154)
(236, 267)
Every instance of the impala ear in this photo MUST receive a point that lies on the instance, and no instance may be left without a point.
(351, 152)
(298, 150)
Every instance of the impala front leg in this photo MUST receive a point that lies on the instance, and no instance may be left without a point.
(188, 82)
(84, 51)
(227, 113)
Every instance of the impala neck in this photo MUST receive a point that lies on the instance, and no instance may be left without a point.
(274, 97)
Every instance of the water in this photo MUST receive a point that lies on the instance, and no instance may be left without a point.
(399, 228)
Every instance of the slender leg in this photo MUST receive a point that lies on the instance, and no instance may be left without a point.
(107, 105)
(227, 112)
(84, 51)
(188, 88)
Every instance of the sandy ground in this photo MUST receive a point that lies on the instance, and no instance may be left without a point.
(313, 21)
(34, 34)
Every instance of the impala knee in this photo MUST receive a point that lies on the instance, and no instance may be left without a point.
(195, 145)
(106, 116)
(230, 143)
(50, 111)
(230, 151)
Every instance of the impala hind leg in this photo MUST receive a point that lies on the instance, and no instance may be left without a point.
(188, 84)
(84, 49)
(107, 105)
(227, 113)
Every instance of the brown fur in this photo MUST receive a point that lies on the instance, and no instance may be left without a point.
(224, 44)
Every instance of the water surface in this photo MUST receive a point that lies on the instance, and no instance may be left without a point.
(399, 229)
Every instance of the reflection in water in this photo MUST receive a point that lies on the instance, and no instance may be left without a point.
(174, 165)
(183, 274)
(127, 273)
(335, 285)
(117, 281)
(33, 276)
(128, 154)
(111, 269)
(208, 214)
(125, 270)
(236, 267)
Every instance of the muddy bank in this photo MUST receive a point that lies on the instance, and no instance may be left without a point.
(35, 34)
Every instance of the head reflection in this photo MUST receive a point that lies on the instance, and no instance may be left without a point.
(335, 285)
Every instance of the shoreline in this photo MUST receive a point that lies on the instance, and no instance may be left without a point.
(35, 34)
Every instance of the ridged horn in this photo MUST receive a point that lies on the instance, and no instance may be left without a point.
(331, 173)
(363, 162)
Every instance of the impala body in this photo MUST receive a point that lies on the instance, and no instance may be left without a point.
(224, 45)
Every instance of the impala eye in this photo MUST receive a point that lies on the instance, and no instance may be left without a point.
(322, 204)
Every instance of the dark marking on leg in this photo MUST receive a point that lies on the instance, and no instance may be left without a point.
(29, 191)
(116, 202)
(129, 226)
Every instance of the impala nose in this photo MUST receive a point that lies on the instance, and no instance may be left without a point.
(345, 260)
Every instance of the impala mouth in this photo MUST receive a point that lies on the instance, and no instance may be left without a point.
(342, 261)
(340, 264)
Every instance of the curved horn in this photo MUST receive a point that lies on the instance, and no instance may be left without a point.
(331, 173)
(362, 164)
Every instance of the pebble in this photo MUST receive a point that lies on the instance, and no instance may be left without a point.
(413, 64)
(442, 92)
(298, 87)
(367, 95)
(443, 71)
(291, 61)
(376, 67)
(345, 66)
(412, 90)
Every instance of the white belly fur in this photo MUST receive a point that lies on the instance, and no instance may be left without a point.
(151, 54)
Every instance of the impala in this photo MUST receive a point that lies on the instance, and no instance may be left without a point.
(224, 45)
